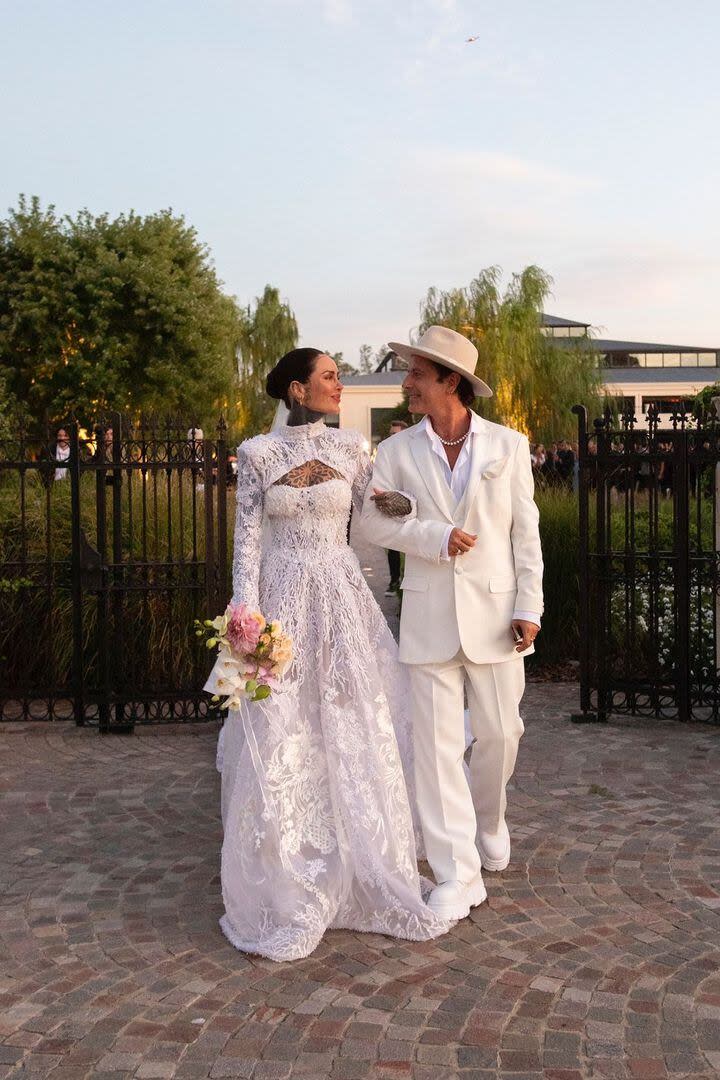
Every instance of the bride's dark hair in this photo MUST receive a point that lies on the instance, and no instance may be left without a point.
(295, 366)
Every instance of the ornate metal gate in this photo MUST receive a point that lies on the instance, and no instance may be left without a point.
(649, 550)
(106, 556)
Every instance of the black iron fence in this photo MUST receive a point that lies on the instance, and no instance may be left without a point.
(649, 549)
(111, 543)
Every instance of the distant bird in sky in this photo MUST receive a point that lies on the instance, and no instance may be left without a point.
(468, 40)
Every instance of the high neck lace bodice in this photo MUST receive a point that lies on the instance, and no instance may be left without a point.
(308, 521)
(300, 432)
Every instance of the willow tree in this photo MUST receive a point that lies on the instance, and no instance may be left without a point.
(536, 381)
(268, 329)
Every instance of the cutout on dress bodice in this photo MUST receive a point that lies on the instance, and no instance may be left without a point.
(309, 474)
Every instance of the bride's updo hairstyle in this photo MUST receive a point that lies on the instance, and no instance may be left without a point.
(295, 366)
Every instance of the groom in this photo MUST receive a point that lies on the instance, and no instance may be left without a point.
(472, 600)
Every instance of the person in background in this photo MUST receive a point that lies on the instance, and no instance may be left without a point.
(538, 456)
(549, 468)
(196, 437)
(231, 469)
(60, 450)
(566, 462)
(394, 556)
(576, 467)
(109, 443)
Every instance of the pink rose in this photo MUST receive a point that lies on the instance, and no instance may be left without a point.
(244, 629)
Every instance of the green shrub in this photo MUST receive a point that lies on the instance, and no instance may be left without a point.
(559, 640)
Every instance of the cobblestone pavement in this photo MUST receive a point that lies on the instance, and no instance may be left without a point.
(597, 953)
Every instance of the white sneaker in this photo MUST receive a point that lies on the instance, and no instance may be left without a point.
(494, 848)
(453, 899)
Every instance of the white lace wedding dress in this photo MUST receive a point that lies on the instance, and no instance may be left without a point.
(316, 811)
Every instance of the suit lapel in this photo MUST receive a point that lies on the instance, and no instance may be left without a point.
(478, 459)
(431, 473)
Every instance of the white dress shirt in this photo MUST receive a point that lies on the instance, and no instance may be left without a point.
(457, 480)
(62, 453)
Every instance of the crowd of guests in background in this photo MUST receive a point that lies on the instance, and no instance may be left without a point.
(59, 454)
(558, 466)
(555, 465)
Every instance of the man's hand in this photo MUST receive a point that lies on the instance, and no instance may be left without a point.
(460, 542)
(391, 503)
(524, 633)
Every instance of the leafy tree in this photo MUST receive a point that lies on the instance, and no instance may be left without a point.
(703, 400)
(99, 313)
(268, 329)
(366, 365)
(536, 381)
(7, 408)
(369, 360)
(344, 368)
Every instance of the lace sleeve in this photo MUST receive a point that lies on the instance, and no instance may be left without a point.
(248, 532)
(362, 477)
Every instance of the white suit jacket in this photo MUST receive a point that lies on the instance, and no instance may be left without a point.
(468, 601)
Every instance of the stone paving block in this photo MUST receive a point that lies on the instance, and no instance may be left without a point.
(345, 1069)
(359, 1049)
(438, 1055)
(155, 1070)
(228, 1066)
(115, 1062)
(10, 1054)
(272, 1070)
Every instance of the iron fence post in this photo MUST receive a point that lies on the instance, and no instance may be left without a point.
(584, 625)
(222, 559)
(78, 667)
(681, 522)
(210, 569)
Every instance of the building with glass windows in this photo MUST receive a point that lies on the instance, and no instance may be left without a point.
(635, 373)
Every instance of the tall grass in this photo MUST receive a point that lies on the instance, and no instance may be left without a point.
(559, 533)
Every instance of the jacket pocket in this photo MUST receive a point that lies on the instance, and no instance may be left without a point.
(503, 583)
(495, 468)
(413, 583)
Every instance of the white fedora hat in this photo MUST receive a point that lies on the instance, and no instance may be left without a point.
(449, 349)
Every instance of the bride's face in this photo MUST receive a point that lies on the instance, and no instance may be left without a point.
(322, 391)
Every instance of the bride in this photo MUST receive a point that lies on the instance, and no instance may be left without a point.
(318, 829)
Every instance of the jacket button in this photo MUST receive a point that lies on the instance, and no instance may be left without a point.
(458, 568)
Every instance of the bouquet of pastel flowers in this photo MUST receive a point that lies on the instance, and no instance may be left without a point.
(253, 655)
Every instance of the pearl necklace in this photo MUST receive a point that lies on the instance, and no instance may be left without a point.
(453, 442)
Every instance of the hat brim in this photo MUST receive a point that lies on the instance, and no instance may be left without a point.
(408, 351)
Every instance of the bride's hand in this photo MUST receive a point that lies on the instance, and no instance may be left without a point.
(391, 503)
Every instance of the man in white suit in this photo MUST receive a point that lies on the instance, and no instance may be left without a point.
(472, 601)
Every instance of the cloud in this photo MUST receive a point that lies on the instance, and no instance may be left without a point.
(654, 278)
(472, 166)
(489, 197)
(337, 12)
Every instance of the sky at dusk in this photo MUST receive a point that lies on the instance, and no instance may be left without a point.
(355, 154)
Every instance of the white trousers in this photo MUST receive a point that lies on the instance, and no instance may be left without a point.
(448, 817)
